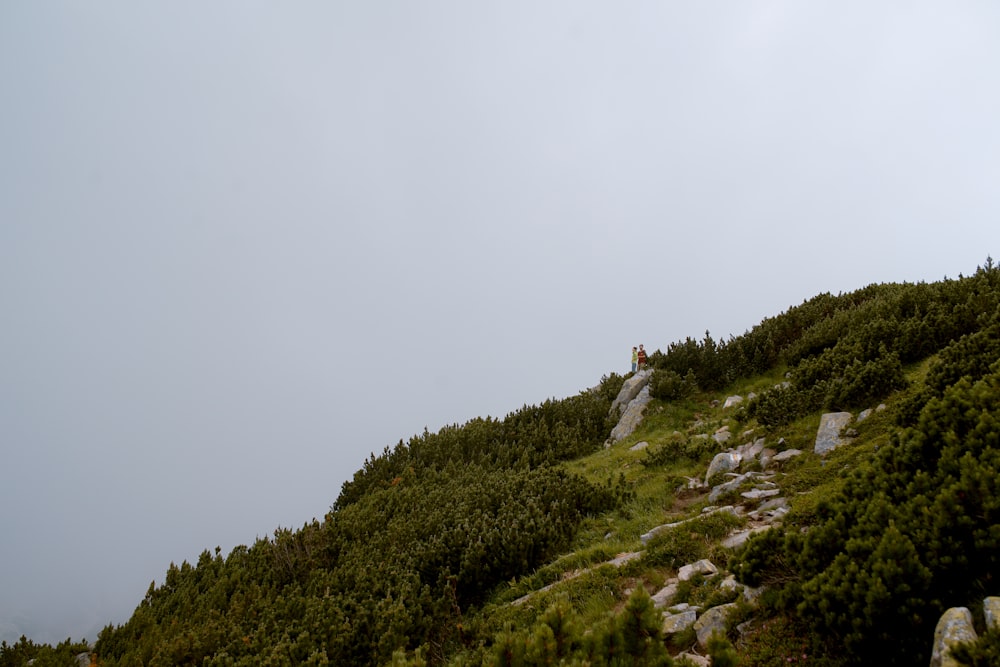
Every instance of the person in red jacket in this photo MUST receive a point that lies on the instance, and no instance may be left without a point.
(642, 358)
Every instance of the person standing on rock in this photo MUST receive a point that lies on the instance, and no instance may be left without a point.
(641, 358)
(635, 359)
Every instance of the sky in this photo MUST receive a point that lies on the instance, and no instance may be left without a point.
(246, 244)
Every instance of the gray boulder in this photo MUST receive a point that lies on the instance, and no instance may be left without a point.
(828, 436)
(629, 391)
(713, 621)
(991, 612)
(703, 567)
(674, 623)
(954, 627)
(732, 401)
(723, 462)
(632, 416)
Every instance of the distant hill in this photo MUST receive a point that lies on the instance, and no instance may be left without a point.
(536, 540)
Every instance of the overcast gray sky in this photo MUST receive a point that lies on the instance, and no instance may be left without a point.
(245, 244)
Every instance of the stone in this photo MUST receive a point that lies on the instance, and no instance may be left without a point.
(722, 435)
(703, 567)
(713, 621)
(630, 389)
(722, 462)
(740, 538)
(991, 612)
(732, 400)
(773, 503)
(623, 558)
(751, 449)
(645, 537)
(864, 414)
(785, 455)
(663, 596)
(766, 456)
(692, 659)
(632, 416)
(828, 435)
(757, 494)
(639, 446)
(674, 623)
(954, 627)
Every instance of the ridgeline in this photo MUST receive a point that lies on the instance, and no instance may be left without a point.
(717, 530)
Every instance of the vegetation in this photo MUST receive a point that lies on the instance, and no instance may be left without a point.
(488, 543)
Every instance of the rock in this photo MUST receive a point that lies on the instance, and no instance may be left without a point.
(713, 621)
(623, 558)
(630, 389)
(991, 612)
(722, 435)
(828, 436)
(740, 538)
(751, 449)
(766, 456)
(865, 414)
(632, 416)
(83, 659)
(639, 446)
(703, 567)
(785, 455)
(733, 484)
(757, 494)
(693, 659)
(723, 462)
(732, 400)
(674, 623)
(954, 627)
(663, 596)
(645, 537)
(773, 503)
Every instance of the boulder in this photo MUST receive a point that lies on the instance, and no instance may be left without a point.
(954, 627)
(630, 389)
(991, 612)
(703, 567)
(632, 416)
(639, 446)
(723, 462)
(751, 449)
(732, 400)
(713, 621)
(722, 435)
(828, 436)
(674, 623)
(663, 596)
(693, 659)
(785, 455)
(645, 537)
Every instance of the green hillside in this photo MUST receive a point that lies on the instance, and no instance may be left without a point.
(528, 541)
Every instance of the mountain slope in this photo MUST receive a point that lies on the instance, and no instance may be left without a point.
(429, 551)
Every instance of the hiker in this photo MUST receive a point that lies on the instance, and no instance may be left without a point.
(635, 359)
(641, 358)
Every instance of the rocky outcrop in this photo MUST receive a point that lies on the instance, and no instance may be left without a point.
(955, 627)
(632, 416)
(630, 389)
(713, 621)
(828, 436)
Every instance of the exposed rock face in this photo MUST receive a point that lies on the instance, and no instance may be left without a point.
(785, 455)
(723, 462)
(629, 391)
(712, 621)
(828, 436)
(632, 416)
(955, 627)
(702, 566)
(674, 623)
(991, 612)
